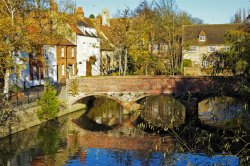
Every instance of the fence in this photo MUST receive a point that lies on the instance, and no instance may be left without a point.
(28, 95)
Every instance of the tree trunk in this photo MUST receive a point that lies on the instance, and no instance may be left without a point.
(6, 82)
(125, 62)
(120, 64)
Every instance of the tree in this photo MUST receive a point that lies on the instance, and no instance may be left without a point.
(150, 37)
(12, 33)
(120, 38)
(49, 104)
(161, 33)
(92, 16)
(143, 38)
(238, 58)
(28, 25)
(170, 24)
(240, 16)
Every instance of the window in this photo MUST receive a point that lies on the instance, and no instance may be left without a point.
(202, 38)
(63, 70)
(211, 49)
(156, 47)
(34, 72)
(165, 49)
(227, 48)
(72, 52)
(205, 63)
(192, 49)
(73, 69)
(62, 52)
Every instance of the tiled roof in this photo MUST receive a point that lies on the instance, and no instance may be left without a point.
(104, 33)
(214, 33)
(65, 42)
(76, 29)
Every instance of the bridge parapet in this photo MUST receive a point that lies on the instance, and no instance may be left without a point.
(128, 89)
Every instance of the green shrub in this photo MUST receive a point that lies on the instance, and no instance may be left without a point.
(241, 66)
(49, 104)
(187, 63)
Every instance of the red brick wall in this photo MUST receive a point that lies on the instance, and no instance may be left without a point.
(157, 85)
(108, 141)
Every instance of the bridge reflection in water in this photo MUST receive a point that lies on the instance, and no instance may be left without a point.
(105, 136)
(163, 111)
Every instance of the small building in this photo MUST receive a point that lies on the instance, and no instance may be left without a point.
(54, 62)
(201, 43)
(88, 46)
(61, 61)
(108, 58)
(109, 54)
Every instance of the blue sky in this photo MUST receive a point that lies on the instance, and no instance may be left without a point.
(211, 11)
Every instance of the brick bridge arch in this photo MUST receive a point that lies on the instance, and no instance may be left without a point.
(127, 90)
(124, 99)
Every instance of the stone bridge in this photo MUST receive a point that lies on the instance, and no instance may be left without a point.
(128, 90)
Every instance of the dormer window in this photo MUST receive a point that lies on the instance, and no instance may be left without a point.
(202, 36)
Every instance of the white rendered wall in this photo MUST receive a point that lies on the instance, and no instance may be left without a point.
(197, 56)
(87, 47)
(21, 78)
(52, 62)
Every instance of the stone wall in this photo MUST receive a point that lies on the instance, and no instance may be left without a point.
(26, 117)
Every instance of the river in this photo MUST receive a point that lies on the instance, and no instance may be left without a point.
(103, 135)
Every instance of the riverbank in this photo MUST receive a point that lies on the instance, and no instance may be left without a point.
(26, 117)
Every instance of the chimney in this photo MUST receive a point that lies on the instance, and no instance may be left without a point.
(53, 6)
(248, 18)
(98, 21)
(79, 11)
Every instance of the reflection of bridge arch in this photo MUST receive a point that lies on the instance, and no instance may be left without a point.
(205, 96)
(228, 101)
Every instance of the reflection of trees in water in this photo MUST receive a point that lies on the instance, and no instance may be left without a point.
(222, 111)
(48, 136)
(7, 150)
(163, 111)
(105, 111)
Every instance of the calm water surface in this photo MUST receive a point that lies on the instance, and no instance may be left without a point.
(105, 136)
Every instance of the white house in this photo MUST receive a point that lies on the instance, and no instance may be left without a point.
(29, 70)
(88, 47)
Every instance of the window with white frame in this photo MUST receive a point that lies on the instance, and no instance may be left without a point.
(63, 70)
(73, 69)
(62, 52)
(34, 72)
(72, 52)
(192, 48)
(227, 48)
(202, 38)
(211, 49)
(205, 63)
